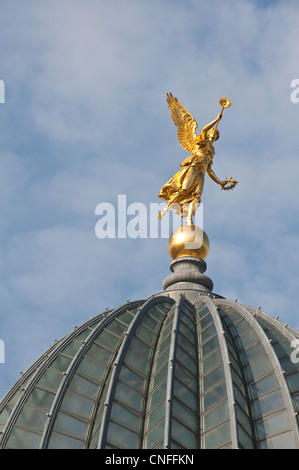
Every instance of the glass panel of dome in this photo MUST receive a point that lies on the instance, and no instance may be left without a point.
(127, 316)
(183, 435)
(185, 376)
(77, 404)
(241, 399)
(208, 332)
(213, 377)
(145, 334)
(125, 417)
(41, 398)
(296, 401)
(71, 425)
(232, 314)
(270, 330)
(259, 367)
(121, 438)
(184, 394)
(241, 326)
(165, 306)
(92, 369)
(268, 404)
(14, 398)
(109, 340)
(187, 310)
(116, 327)
(247, 338)
(98, 353)
(167, 327)
(293, 382)
(186, 330)
(60, 441)
(211, 361)
(157, 313)
(210, 346)
(288, 366)
(130, 378)
(213, 396)
(206, 320)
(154, 436)
(245, 441)
(128, 396)
(157, 395)
(185, 415)
(23, 439)
(96, 429)
(232, 351)
(83, 386)
(173, 445)
(140, 364)
(151, 322)
(164, 343)
(283, 348)
(263, 385)
(273, 424)
(93, 444)
(32, 418)
(242, 416)
(217, 437)
(188, 323)
(60, 364)
(160, 376)
(155, 415)
(72, 348)
(5, 414)
(139, 347)
(162, 359)
(234, 365)
(186, 360)
(202, 310)
(282, 441)
(215, 416)
(186, 345)
(50, 380)
(235, 373)
(253, 352)
(82, 336)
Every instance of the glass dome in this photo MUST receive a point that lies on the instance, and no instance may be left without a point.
(184, 369)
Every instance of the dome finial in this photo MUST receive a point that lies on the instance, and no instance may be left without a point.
(188, 240)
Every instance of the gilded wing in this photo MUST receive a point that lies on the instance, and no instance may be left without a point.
(185, 123)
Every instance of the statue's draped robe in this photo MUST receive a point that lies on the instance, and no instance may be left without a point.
(188, 183)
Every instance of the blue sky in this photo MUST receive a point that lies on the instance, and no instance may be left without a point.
(85, 119)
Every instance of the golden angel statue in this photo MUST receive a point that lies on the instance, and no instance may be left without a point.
(183, 191)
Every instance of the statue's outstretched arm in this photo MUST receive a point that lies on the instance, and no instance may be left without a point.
(213, 176)
(211, 124)
(228, 183)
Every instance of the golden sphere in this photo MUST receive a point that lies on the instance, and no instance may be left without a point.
(188, 240)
